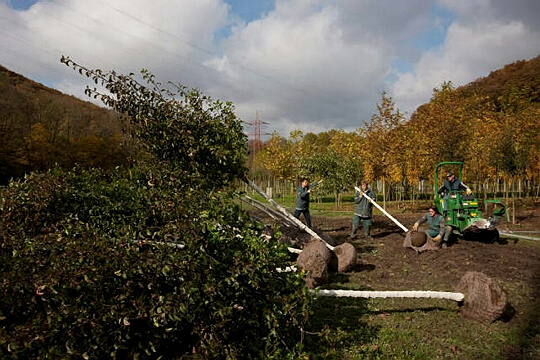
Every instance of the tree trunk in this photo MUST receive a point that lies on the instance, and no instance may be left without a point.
(392, 294)
(284, 211)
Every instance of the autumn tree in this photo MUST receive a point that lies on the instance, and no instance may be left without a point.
(382, 156)
(39, 149)
(278, 156)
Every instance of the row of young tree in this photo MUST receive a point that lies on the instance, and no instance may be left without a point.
(498, 140)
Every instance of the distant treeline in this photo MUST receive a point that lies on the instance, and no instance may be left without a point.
(491, 125)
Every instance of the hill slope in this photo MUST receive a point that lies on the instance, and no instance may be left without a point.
(41, 126)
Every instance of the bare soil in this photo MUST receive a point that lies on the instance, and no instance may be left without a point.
(384, 264)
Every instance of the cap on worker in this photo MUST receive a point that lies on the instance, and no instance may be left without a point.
(450, 173)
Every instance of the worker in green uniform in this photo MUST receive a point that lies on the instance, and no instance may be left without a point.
(302, 200)
(451, 184)
(437, 229)
(363, 210)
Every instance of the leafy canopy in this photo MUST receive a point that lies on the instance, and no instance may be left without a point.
(182, 128)
(152, 261)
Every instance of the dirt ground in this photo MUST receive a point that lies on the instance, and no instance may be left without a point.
(384, 264)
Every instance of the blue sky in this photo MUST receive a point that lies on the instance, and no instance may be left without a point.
(249, 10)
(22, 4)
(312, 65)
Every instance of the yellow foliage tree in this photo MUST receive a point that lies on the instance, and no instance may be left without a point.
(381, 156)
(38, 148)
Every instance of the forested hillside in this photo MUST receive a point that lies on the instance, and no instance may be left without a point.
(40, 127)
(520, 80)
(491, 124)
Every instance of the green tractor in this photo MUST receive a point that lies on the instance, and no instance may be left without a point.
(462, 212)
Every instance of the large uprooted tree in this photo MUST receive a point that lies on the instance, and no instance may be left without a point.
(152, 261)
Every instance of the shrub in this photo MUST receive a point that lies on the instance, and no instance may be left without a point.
(90, 267)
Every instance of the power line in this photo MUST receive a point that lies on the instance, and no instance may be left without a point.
(204, 50)
(212, 53)
(176, 55)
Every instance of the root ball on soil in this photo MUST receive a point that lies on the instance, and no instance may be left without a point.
(418, 238)
(485, 300)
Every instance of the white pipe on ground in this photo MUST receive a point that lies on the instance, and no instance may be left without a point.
(510, 235)
(391, 294)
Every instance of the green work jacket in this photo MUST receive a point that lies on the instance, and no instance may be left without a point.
(302, 196)
(436, 224)
(362, 206)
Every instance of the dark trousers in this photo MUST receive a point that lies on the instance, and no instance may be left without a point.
(366, 222)
(446, 234)
(307, 216)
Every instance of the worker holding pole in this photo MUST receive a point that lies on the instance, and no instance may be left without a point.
(363, 210)
(302, 200)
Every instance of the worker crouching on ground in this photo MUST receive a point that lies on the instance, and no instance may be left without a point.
(363, 211)
(437, 227)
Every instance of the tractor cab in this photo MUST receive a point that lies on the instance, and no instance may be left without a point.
(461, 211)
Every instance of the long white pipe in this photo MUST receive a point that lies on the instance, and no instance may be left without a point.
(510, 235)
(391, 294)
(286, 213)
(382, 210)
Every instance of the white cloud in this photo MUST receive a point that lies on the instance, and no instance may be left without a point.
(468, 53)
(170, 38)
(300, 57)
(308, 64)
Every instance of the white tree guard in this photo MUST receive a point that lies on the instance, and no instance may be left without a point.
(391, 294)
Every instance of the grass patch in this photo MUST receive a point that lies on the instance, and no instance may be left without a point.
(343, 328)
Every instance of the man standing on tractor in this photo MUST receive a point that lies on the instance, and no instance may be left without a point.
(437, 227)
(363, 210)
(452, 183)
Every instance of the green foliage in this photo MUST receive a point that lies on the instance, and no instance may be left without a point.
(184, 128)
(339, 173)
(96, 272)
(154, 261)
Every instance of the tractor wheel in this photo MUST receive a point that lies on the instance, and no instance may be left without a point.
(484, 235)
(489, 236)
